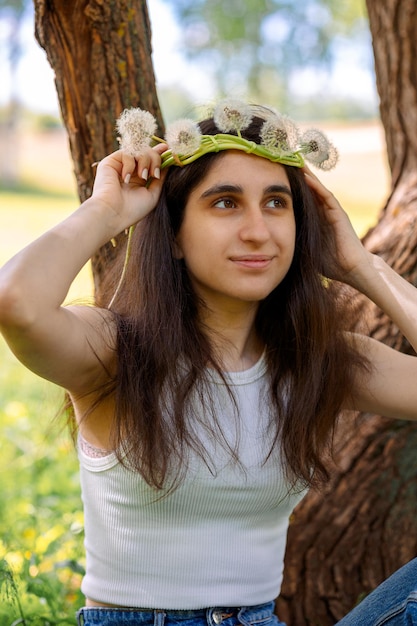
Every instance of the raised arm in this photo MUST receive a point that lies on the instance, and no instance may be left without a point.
(391, 387)
(70, 345)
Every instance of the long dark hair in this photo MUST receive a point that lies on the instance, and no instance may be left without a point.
(163, 350)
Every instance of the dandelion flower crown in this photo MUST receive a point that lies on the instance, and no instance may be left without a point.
(281, 140)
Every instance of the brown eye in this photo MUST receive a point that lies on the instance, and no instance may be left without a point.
(225, 203)
(276, 203)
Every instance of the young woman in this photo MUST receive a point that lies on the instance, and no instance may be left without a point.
(206, 383)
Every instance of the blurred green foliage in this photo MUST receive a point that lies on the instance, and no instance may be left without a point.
(41, 520)
(259, 46)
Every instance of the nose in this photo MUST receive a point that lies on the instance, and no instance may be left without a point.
(254, 226)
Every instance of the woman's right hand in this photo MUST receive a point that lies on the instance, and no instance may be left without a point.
(128, 186)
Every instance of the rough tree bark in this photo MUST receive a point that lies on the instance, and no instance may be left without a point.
(100, 51)
(344, 542)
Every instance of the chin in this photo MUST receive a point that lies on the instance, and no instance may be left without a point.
(255, 297)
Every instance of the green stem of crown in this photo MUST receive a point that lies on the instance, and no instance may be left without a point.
(217, 143)
(126, 261)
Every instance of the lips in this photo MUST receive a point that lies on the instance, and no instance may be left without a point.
(255, 261)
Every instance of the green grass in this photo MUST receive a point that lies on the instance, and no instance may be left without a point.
(41, 521)
(24, 215)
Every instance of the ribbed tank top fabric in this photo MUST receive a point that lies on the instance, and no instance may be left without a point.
(217, 540)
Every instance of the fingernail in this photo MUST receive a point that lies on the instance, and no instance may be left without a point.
(157, 173)
(145, 174)
(127, 179)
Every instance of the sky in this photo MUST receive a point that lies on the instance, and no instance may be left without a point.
(35, 81)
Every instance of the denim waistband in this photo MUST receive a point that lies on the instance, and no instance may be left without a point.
(212, 616)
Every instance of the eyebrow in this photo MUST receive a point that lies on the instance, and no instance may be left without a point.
(230, 188)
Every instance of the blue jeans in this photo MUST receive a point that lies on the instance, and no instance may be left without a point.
(262, 615)
(393, 603)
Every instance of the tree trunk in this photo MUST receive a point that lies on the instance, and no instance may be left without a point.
(101, 53)
(342, 543)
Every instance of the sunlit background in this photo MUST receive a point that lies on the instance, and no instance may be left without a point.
(348, 81)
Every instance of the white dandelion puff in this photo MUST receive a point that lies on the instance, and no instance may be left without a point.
(183, 137)
(136, 128)
(232, 115)
(318, 150)
(332, 158)
(279, 134)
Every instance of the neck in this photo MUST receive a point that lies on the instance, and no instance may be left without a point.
(233, 336)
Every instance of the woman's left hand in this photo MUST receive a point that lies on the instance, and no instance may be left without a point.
(352, 257)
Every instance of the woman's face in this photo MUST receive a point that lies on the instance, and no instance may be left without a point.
(237, 237)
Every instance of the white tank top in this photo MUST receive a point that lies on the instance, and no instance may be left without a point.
(217, 540)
